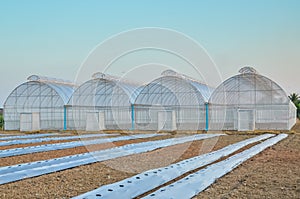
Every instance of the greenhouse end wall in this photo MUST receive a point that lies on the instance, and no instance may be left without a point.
(172, 102)
(250, 101)
(265, 117)
(102, 103)
(247, 101)
(169, 118)
(37, 104)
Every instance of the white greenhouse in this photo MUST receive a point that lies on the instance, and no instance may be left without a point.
(104, 102)
(250, 101)
(37, 104)
(245, 102)
(172, 102)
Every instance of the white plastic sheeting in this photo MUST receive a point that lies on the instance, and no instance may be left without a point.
(269, 103)
(27, 136)
(146, 181)
(46, 96)
(110, 96)
(32, 169)
(2, 134)
(173, 92)
(59, 146)
(37, 140)
(198, 181)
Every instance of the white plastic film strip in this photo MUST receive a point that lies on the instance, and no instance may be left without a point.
(47, 139)
(27, 136)
(32, 169)
(67, 145)
(146, 181)
(194, 183)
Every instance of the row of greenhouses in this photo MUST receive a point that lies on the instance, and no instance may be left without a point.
(245, 102)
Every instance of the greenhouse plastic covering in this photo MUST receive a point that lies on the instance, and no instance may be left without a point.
(250, 101)
(47, 139)
(172, 102)
(196, 182)
(245, 102)
(44, 97)
(105, 94)
(146, 181)
(27, 170)
(66, 145)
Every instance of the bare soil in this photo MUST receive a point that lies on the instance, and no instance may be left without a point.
(34, 144)
(50, 142)
(72, 182)
(274, 173)
(72, 151)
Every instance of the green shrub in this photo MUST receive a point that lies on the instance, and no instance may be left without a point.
(295, 98)
(1, 122)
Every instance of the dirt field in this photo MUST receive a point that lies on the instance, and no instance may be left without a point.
(275, 173)
(71, 151)
(72, 182)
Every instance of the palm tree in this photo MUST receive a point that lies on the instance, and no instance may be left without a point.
(295, 98)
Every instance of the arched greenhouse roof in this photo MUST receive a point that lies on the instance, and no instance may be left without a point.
(173, 89)
(41, 87)
(104, 90)
(249, 87)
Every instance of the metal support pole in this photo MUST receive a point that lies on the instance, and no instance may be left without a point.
(65, 118)
(132, 116)
(206, 117)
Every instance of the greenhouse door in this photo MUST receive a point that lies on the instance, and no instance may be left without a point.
(245, 120)
(95, 121)
(101, 120)
(29, 122)
(166, 120)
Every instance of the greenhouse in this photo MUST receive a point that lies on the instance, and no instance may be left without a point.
(245, 102)
(250, 101)
(37, 104)
(104, 102)
(172, 102)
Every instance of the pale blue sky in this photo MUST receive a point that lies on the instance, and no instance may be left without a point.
(52, 38)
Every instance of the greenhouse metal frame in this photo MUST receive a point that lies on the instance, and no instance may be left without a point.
(250, 101)
(172, 102)
(102, 103)
(245, 102)
(37, 104)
